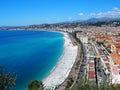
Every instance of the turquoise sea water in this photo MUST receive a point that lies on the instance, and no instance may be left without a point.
(30, 54)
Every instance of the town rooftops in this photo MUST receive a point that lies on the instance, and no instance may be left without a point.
(114, 55)
(117, 61)
(91, 74)
(115, 70)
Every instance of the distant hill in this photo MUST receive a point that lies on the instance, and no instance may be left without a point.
(106, 19)
(100, 19)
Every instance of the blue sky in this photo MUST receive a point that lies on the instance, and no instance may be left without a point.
(25, 12)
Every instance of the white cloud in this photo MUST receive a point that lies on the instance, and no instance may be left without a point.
(81, 14)
(114, 13)
(116, 9)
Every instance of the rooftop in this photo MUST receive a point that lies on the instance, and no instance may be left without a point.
(91, 74)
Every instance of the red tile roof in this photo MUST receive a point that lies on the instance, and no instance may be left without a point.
(91, 74)
(115, 70)
(91, 62)
(114, 55)
(117, 61)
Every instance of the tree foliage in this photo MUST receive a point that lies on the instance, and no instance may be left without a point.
(7, 80)
(69, 82)
(35, 85)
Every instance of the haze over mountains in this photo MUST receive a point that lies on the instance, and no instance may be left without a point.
(97, 19)
(102, 19)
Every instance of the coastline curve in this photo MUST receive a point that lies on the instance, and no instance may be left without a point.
(64, 65)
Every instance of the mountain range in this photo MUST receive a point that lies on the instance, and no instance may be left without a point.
(106, 19)
(98, 19)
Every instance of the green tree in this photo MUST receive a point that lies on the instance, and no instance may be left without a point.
(69, 82)
(35, 85)
(7, 80)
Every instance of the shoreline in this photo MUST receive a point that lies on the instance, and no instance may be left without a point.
(64, 65)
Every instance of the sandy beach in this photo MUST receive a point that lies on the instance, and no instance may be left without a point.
(64, 65)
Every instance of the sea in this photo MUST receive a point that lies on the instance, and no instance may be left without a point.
(29, 54)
